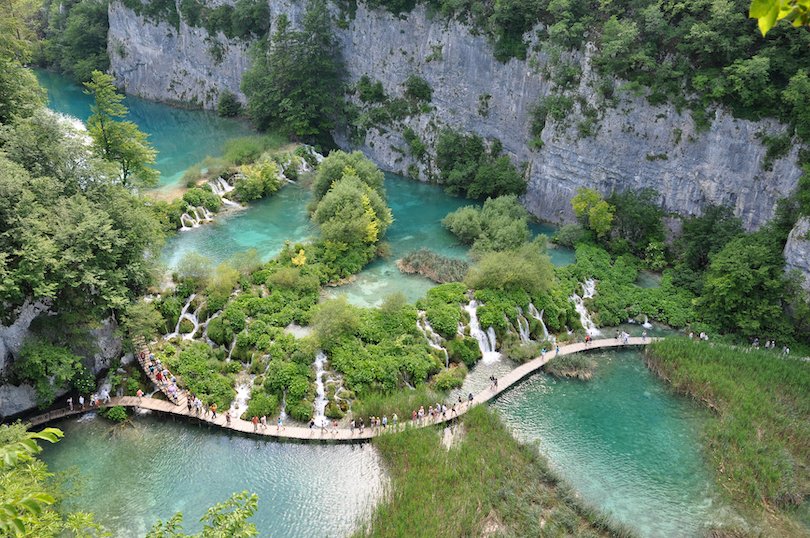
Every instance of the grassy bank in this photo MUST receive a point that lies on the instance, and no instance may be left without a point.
(759, 438)
(487, 484)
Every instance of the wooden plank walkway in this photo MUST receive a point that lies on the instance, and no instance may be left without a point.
(342, 435)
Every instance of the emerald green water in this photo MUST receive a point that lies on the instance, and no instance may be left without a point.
(624, 442)
(141, 474)
(182, 137)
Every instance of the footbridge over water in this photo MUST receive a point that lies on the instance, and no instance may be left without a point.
(342, 435)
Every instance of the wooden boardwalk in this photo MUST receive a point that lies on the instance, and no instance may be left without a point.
(341, 435)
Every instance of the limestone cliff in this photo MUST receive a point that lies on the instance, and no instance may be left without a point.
(633, 144)
(797, 250)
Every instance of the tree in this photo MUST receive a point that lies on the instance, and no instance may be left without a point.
(120, 142)
(744, 287)
(351, 212)
(332, 168)
(637, 218)
(334, 320)
(291, 85)
(527, 268)
(595, 213)
(769, 12)
(143, 320)
(49, 368)
(20, 93)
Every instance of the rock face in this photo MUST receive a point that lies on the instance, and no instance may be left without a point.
(797, 250)
(632, 145)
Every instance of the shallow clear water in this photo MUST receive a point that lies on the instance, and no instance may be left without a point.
(624, 442)
(264, 225)
(182, 137)
(149, 472)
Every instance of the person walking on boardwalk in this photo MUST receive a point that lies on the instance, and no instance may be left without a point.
(395, 419)
(139, 394)
(557, 349)
(213, 411)
(70, 403)
(279, 425)
(190, 403)
(228, 418)
(351, 426)
(255, 421)
(81, 401)
(334, 426)
(469, 400)
(263, 422)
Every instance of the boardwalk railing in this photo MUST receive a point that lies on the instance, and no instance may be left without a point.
(342, 435)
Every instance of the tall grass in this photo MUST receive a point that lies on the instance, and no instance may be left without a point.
(401, 402)
(577, 366)
(759, 438)
(246, 149)
(436, 267)
(487, 484)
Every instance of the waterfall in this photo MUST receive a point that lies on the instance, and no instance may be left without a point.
(588, 291)
(230, 351)
(646, 324)
(183, 315)
(194, 216)
(240, 403)
(486, 342)
(523, 326)
(320, 391)
(220, 187)
(434, 340)
(539, 317)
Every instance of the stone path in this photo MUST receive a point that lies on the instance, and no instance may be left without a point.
(341, 435)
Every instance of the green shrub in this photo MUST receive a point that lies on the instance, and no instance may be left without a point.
(464, 349)
(300, 410)
(260, 404)
(450, 378)
(117, 413)
(418, 89)
(228, 105)
(49, 368)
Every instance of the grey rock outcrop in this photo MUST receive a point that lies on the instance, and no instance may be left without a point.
(15, 399)
(633, 144)
(797, 250)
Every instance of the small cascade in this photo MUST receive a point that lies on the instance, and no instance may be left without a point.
(434, 340)
(486, 340)
(320, 391)
(220, 187)
(282, 413)
(646, 324)
(523, 326)
(183, 315)
(588, 291)
(240, 403)
(230, 350)
(460, 330)
(539, 317)
(194, 217)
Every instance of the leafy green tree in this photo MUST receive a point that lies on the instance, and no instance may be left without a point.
(638, 219)
(744, 287)
(352, 212)
(228, 519)
(595, 213)
(77, 42)
(527, 268)
(502, 224)
(228, 105)
(117, 141)
(334, 320)
(48, 367)
(769, 12)
(795, 96)
(291, 83)
(20, 93)
(334, 165)
(143, 320)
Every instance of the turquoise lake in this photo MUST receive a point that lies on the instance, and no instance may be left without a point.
(624, 442)
(133, 476)
(182, 137)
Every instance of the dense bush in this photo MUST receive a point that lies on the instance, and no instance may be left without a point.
(442, 306)
(418, 89)
(260, 404)
(198, 196)
(117, 413)
(527, 269)
(463, 349)
(49, 368)
(637, 219)
(450, 378)
(228, 105)
(467, 167)
(260, 179)
(200, 372)
(502, 224)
